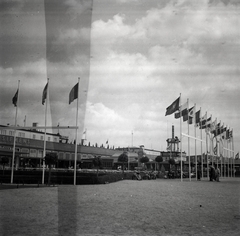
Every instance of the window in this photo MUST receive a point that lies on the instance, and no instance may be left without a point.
(11, 133)
(40, 153)
(41, 137)
(33, 152)
(60, 155)
(55, 139)
(21, 134)
(34, 136)
(26, 151)
(67, 156)
(3, 131)
(48, 138)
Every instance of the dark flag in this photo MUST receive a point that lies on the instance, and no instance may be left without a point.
(197, 117)
(15, 99)
(73, 93)
(188, 114)
(173, 107)
(44, 94)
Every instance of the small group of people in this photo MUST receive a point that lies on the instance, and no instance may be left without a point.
(214, 173)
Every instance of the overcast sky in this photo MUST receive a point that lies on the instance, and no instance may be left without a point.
(133, 57)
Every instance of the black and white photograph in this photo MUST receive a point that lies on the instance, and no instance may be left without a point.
(119, 117)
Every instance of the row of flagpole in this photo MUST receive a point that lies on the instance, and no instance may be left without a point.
(72, 96)
(204, 123)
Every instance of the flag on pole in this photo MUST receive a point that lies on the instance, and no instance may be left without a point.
(206, 123)
(213, 125)
(224, 133)
(173, 107)
(191, 116)
(15, 98)
(107, 142)
(197, 117)
(237, 156)
(186, 116)
(183, 109)
(73, 93)
(44, 94)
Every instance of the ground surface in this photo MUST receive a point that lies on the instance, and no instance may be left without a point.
(129, 207)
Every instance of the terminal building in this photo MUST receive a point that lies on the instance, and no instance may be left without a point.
(30, 143)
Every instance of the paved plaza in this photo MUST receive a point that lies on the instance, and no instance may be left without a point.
(128, 207)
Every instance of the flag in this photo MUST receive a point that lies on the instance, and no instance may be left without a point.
(173, 107)
(73, 93)
(15, 99)
(213, 125)
(84, 135)
(203, 121)
(227, 134)
(224, 133)
(216, 132)
(197, 117)
(186, 116)
(183, 109)
(191, 115)
(44, 94)
(107, 142)
(237, 156)
(206, 123)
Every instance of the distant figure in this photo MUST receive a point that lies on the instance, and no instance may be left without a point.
(199, 174)
(217, 174)
(212, 173)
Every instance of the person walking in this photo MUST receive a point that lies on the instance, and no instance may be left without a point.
(212, 173)
(217, 174)
(199, 174)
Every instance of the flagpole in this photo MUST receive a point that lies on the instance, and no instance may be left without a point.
(232, 156)
(45, 132)
(207, 151)
(201, 144)
(181, 140)
(15, 131)
(189, 164)
(76, 136)
(195, 133)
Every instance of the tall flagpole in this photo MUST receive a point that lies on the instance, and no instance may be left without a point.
(201, 143)
(189, 158)
(15, 131)
(45, 132)
(233, 155)
(232, 148)
(76, 138)
(195, 133)
(228, 157)
(207, 146)
(181, 139)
